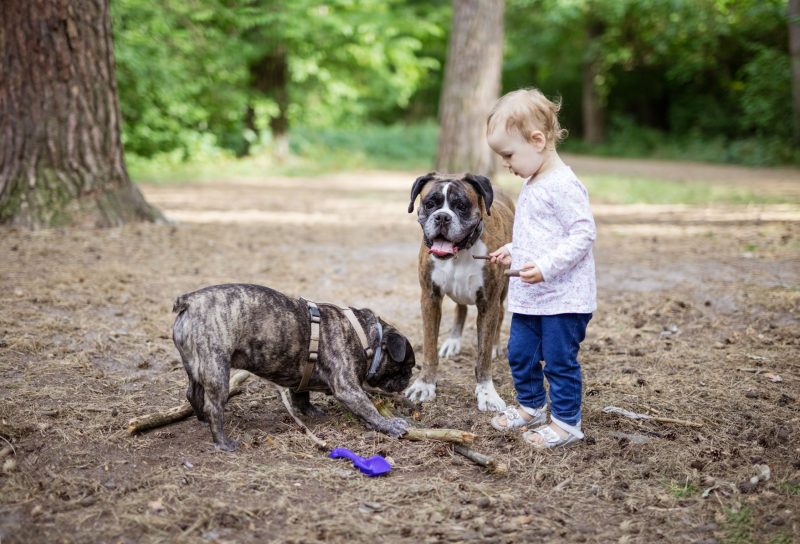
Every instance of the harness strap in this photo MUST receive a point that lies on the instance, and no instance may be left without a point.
(362, 336)
(313, 346)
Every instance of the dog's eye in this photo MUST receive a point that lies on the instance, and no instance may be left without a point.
(430, 205)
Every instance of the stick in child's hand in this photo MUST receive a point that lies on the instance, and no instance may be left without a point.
(484, 257)
(512, 272)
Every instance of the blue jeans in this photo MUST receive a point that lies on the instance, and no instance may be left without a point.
(555, 339)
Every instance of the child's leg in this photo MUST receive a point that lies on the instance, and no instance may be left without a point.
(561, 338)
(524, 358)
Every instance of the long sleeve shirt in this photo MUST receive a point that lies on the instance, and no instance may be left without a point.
(554, 228)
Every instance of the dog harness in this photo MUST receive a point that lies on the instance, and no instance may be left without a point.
(313, 344)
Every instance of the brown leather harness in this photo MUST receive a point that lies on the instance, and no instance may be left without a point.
(313, 344)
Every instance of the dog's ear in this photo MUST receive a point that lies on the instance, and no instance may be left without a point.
(483, 185)
(417, 187)
(395, 345)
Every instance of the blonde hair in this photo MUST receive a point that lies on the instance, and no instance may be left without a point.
(524, 111)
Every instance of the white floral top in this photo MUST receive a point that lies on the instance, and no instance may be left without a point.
(554, 228)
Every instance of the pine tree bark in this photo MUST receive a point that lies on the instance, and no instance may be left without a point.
(794, 54)
(471, 85)
(61, 157)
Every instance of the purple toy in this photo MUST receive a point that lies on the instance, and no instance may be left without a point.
(374, 466)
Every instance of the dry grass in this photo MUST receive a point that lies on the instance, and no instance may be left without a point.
(84, 346)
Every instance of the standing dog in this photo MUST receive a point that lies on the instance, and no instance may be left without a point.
(461, 217)
(269, 334)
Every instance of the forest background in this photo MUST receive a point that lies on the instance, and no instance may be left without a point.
(308, 86)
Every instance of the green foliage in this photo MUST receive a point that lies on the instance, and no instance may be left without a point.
(180, 81)
(188, 71)
(738, 526)
(702, 70)
(697, 79)
(627, 138)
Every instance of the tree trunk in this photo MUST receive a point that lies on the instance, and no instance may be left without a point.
(593, 102)
(794, 54)
(61, 160)
(270, 77)
(471, 85)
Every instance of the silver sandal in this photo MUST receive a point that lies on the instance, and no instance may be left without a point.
(515, 420)
(550, 437)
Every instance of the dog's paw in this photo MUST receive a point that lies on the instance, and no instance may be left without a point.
(312, 411)
(421, 390)
(226, 445)
(394, 427)
(450, 348)
(488, 399)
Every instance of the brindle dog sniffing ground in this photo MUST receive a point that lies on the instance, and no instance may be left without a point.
(260, 330)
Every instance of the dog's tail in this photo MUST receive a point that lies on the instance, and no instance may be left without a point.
(181, 303)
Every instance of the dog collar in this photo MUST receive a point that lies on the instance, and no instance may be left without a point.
(470, 240)
(376, 358)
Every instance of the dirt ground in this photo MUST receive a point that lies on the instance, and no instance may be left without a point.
(697, 320)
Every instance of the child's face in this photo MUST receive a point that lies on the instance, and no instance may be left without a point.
(522, 157)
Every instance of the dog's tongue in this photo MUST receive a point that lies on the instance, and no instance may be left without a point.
(442, 247)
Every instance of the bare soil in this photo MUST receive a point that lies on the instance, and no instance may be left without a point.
(697, 320)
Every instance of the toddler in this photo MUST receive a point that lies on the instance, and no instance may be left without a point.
(554, 296)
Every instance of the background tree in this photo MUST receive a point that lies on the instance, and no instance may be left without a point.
(61, 158)
(794, 52)
(471, 85)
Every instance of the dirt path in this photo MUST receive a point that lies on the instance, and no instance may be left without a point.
(697, 319)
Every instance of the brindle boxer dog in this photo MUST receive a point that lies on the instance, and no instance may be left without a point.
(461, 216)
(267, 333)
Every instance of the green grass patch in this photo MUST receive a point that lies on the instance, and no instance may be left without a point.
(400, 147)
(684, 490)
(790, 488)
(738, 526)
(409, 148)
(313, 152)
(605, 189)
(782, 538)
(628, 190)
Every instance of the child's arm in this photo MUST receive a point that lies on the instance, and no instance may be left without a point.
(571, 207)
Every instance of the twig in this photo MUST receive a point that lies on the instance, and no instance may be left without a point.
(321, 444)
(634, 415)
(445, 435)
(8, 449)
(416, 434)
(481, 459)
(178, 413)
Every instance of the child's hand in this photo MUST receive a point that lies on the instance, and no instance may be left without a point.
(501, 256)
(530, 273)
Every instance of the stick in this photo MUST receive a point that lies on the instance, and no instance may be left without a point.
(445, 435)
(481, 459)
(634, 415)
(321, 444)
(511, 272)
(416, 434)
(484, 257)
(178, 413)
